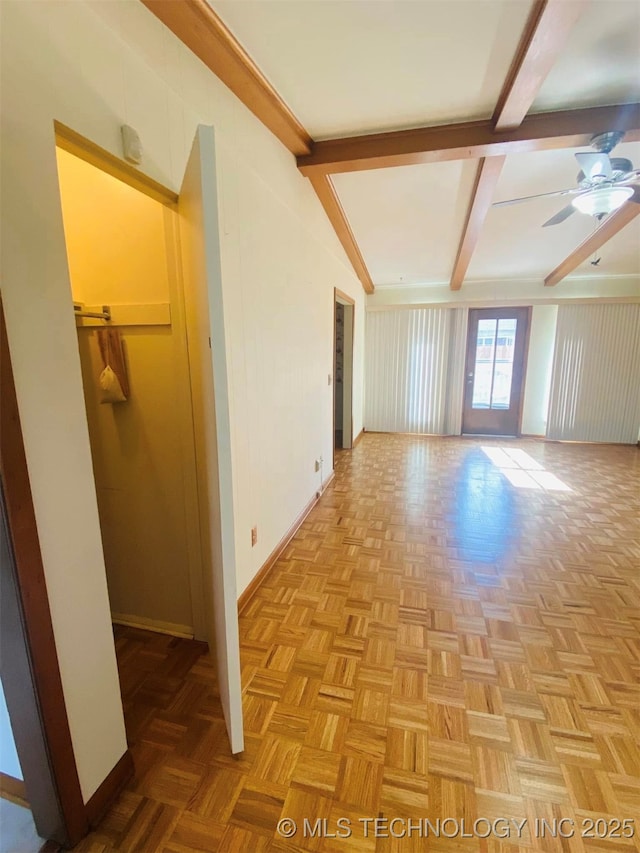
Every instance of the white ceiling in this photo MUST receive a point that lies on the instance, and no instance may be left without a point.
(346, 68)
(601, 60)
(404, 237)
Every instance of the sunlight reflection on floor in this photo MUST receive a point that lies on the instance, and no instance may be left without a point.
(522, 471)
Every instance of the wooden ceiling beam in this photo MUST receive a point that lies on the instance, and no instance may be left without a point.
(544, 37)
(614, 223)
(468, 140)
(326, 192)
(196, 24)
(489, 169)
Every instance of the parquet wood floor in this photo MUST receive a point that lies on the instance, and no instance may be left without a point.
(435, 642)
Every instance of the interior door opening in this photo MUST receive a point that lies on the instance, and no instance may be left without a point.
(497, 342)
(343, 372)
(119, 250)
(146, 264)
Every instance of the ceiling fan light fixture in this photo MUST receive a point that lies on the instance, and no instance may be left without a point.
(602, 201)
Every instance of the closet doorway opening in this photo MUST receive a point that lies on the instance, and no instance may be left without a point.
(146, 282)
(344, 308)
(130, 322)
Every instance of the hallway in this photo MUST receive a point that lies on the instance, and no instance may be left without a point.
(454, 632)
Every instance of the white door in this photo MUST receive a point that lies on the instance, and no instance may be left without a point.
(198, 210)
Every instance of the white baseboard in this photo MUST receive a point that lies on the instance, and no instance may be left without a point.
(170, 628)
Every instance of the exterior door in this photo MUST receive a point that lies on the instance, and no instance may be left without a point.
(199, 239)
(494, 374)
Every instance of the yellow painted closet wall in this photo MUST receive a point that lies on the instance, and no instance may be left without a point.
(117, 250)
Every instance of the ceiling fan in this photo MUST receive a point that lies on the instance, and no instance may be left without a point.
(604, 183)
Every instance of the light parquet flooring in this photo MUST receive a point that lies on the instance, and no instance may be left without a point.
(434, 643)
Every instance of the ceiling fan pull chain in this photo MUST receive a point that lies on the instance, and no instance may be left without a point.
(596, 224)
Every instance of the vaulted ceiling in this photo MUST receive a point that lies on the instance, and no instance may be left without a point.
(416, 207)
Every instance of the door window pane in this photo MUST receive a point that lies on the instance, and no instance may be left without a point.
(493, 372)
(503, 366)
(483, 371)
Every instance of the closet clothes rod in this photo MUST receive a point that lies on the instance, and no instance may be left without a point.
(105, 314)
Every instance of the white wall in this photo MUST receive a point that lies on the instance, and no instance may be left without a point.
(9, 762)
(95, 66)
(539, 363)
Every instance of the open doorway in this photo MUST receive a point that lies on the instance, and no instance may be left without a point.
(343, 371)
(145, 276)
(130, 322)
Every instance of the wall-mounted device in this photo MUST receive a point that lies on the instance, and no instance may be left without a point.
(131, 145)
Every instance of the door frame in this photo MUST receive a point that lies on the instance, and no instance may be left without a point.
(30, 670)
(525, 358)
(341, 298)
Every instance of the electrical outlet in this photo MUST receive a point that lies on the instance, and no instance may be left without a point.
(317, 464)
(254, 536)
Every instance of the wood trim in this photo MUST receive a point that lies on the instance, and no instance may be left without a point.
(468, 140)
(13, 789)
(326, 192)
(358, 437)
(79, 146)
(525, 366)
(595, 443)
(487, 176)
(341, 296)
(544, 37)
(247, 595)
(333, 382)
(110, 788)
(608, 229)
(36, 619)
(414, 434)
(326, 484)
(196, 25)
(185, 632)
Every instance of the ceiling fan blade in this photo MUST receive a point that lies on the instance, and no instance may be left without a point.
(560, 216)
(629, 178)
(594, 165)
(539, 195)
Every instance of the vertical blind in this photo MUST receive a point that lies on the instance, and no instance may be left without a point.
(595, 383)
(415, 370)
